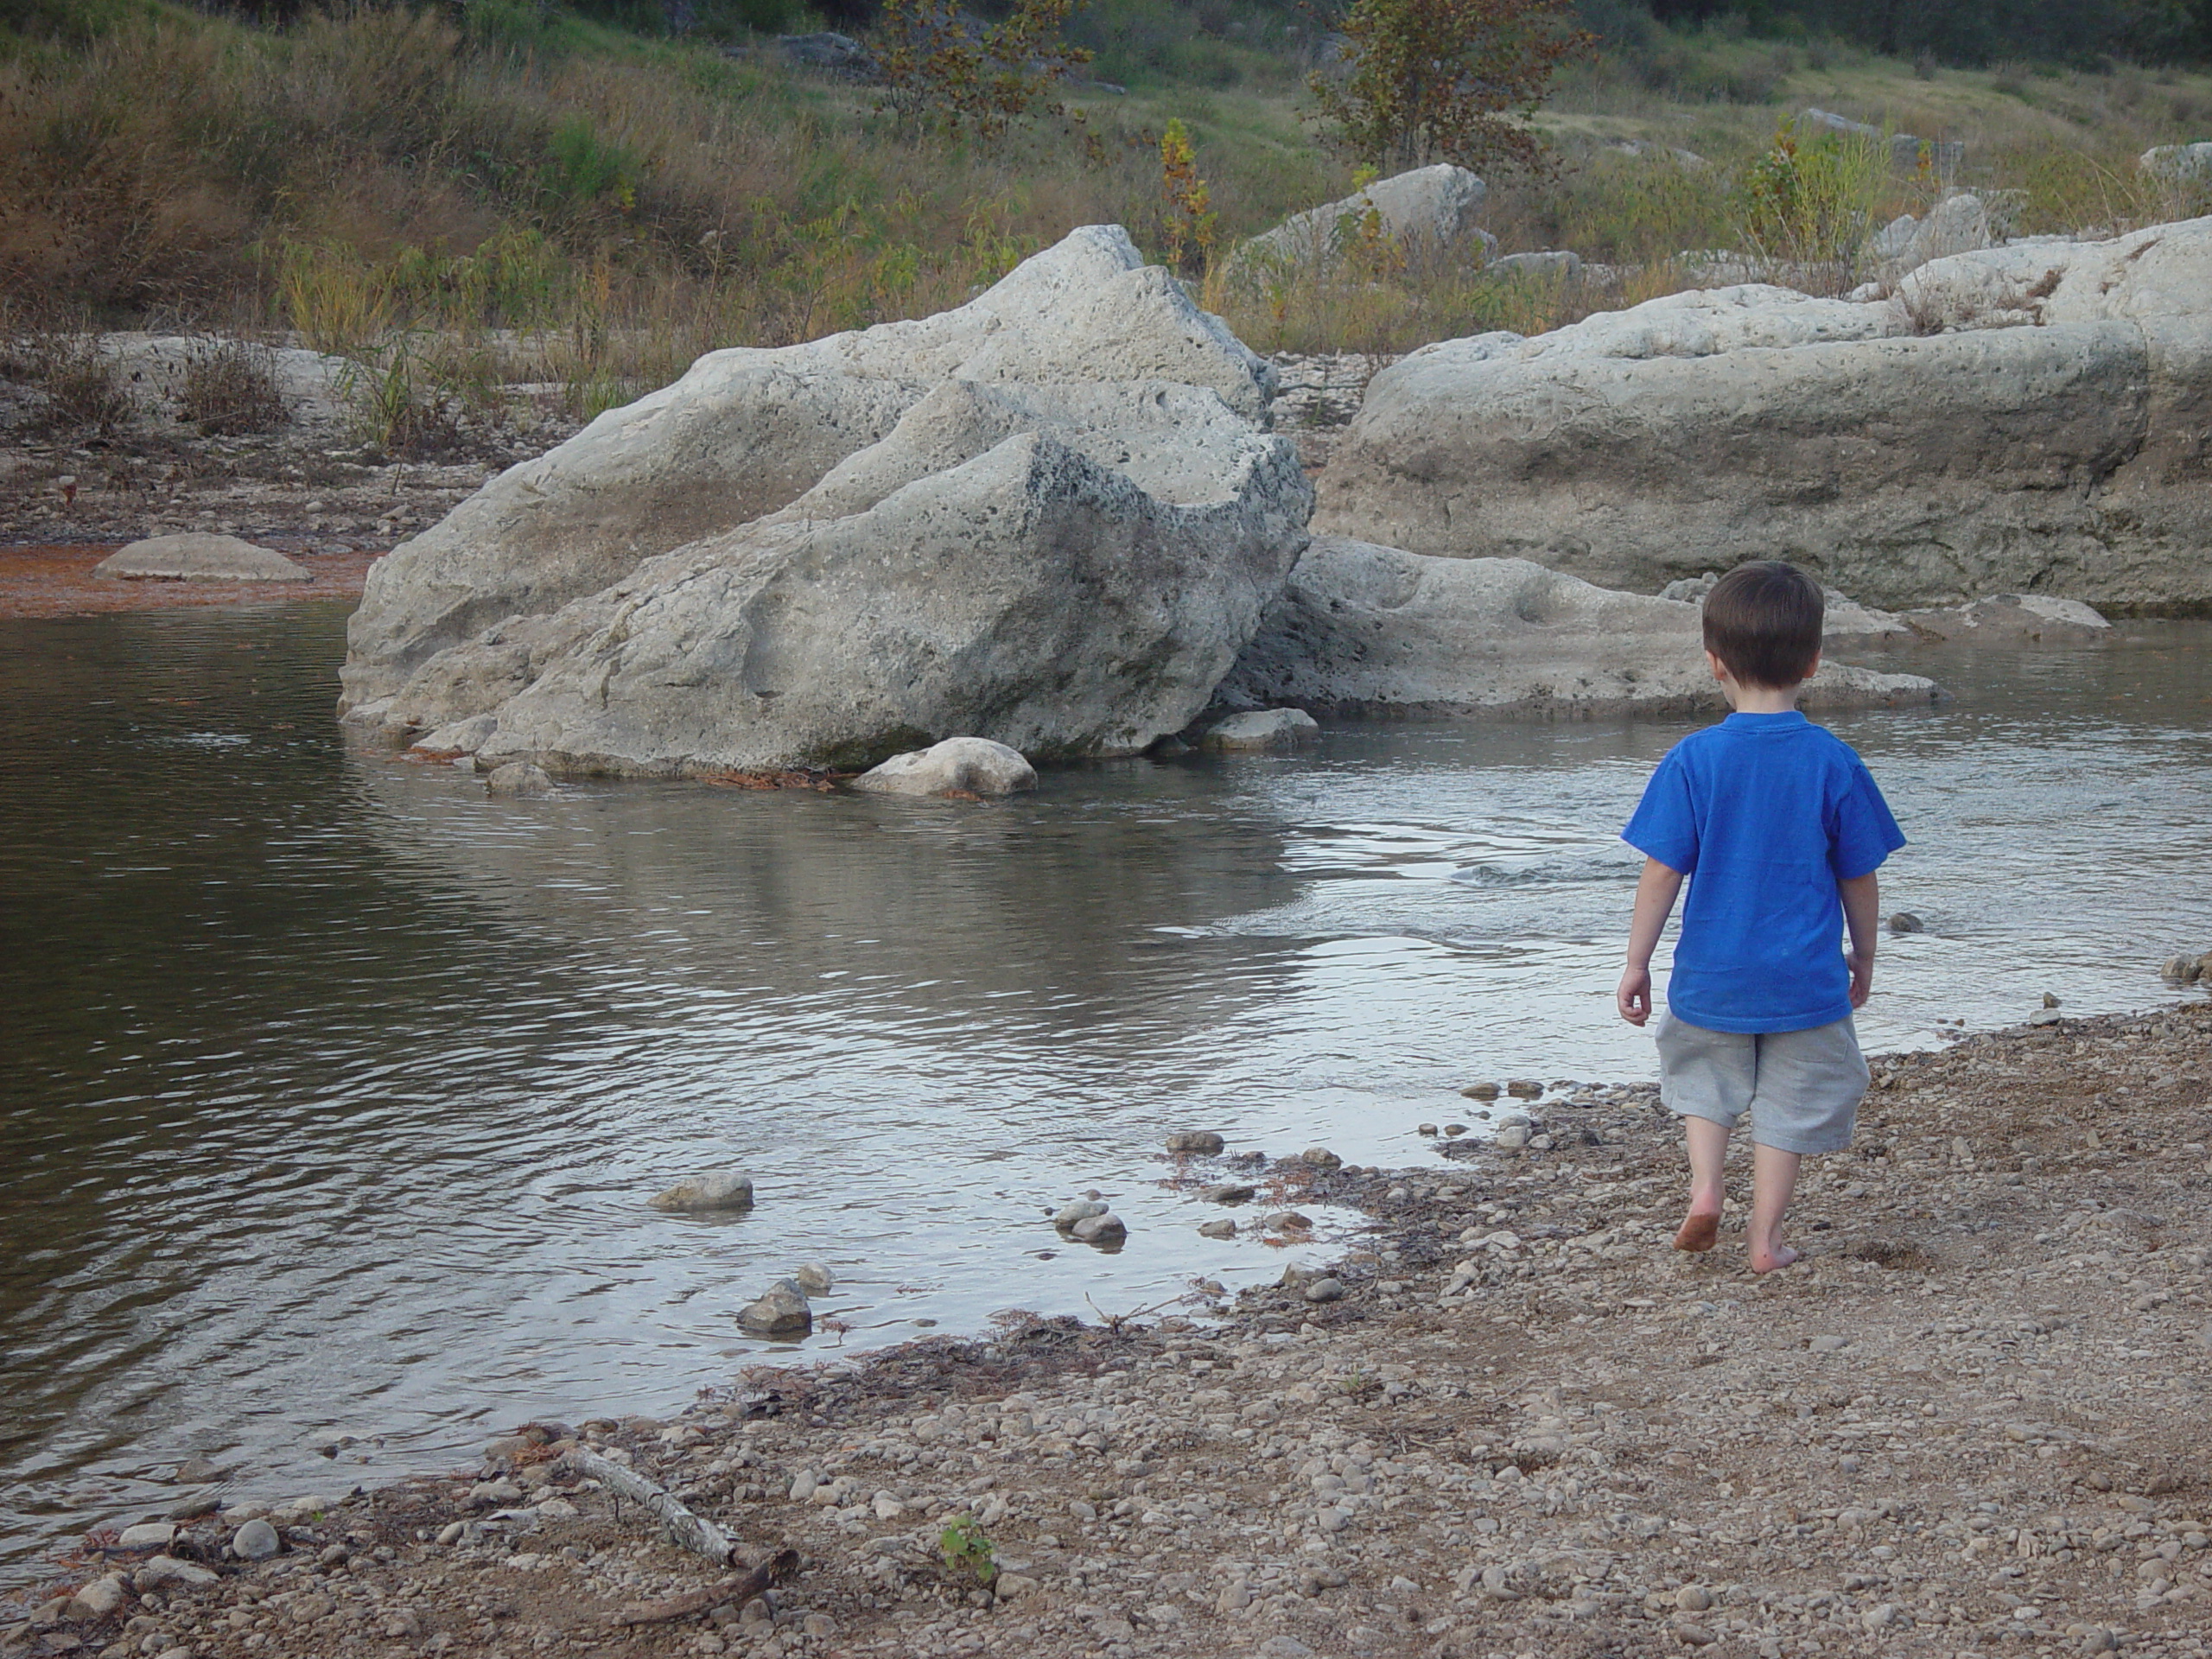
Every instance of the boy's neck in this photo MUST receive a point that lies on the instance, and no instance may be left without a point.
(1761, 699)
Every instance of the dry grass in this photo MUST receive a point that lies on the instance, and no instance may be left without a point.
(79, 387)
(597, 212)
(229, 387)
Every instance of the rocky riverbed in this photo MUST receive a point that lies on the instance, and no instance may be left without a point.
(1513, 1422)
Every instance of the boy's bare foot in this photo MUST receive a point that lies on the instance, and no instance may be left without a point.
(1770, 1257)
(1699, 1233)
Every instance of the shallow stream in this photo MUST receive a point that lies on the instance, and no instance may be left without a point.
(334, 1089)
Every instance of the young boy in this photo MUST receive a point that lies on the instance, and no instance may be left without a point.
(1779, 827)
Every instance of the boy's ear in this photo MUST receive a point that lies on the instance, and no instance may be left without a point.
(1720, 669)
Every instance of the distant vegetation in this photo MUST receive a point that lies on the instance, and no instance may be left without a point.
(592, 193)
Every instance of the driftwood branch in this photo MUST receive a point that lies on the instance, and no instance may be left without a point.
(740, 1589)
(695, 1533)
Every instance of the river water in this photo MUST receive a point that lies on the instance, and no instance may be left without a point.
(334, 1089)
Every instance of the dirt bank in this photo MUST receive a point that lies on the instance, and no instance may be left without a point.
(1971, 1422)
(59, 582)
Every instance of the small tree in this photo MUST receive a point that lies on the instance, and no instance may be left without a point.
(940, 70)
(1449, 80)
(1190, 212)
(1814, 205)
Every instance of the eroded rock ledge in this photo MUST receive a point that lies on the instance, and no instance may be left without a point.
(2035, 418)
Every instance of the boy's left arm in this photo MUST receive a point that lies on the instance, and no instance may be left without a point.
(1862, 913)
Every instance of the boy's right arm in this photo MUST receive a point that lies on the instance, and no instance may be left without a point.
(1656, 893)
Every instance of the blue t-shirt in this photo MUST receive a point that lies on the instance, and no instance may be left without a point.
(1765, 814)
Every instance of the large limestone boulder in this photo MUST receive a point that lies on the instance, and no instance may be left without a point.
(2033, 417)
(1428, 213)
(1049, 519)
(1367, 630)
(199, 556)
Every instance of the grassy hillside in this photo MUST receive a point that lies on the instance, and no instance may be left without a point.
(433, 190)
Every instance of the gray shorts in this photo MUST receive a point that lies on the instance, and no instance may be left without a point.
(1801, 1088)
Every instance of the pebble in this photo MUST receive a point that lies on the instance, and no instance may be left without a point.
(1513, 1137)
(1524, 1089)
(147, 1535)
(2185, 970)
(165, 1570)
(97, 1599)
(1828, 1344)
(1693, 1599)
(1325, 1290)
(1455, 1130)
(1320, 1158)
(1230, 1193)
(784, 1312)
(728, 1189)
(814, 1279)
(1080, 1210)
(1425, 1128)
(1289, 1221)
(1224, 1229)
(1480, 1091)
(257, 1540)
(1905, 922)
(1195, 1140)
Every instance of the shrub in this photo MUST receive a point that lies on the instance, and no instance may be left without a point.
(80, 385)
(230, 387)
(1451, 80)
(941, 71)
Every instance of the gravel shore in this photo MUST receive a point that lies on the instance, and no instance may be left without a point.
(1971, 1421)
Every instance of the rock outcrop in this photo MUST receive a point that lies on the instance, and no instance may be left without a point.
(1425, 213)
(1048, 518)
(1368, 630)
(2031, 418)
(198, 556)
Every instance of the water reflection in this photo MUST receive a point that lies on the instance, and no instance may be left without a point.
(335, 1086)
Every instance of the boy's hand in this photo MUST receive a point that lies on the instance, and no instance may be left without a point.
(1634, 997)
(1862, 980)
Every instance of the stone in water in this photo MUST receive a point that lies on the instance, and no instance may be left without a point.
(1195, 1140)
(782, 1312)
(725, 1190)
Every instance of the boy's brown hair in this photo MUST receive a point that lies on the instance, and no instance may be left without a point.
(1762, 621)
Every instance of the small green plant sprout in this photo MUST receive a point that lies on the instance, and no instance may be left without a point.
(967, 1552)
(1190, 211)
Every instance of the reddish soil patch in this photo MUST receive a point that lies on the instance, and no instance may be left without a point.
(59, 582)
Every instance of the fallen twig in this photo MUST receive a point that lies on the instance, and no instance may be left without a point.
(740, 1589)
(695, 1533)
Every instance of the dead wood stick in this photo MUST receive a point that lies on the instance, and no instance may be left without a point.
(695, 1533)
(740, 1589)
